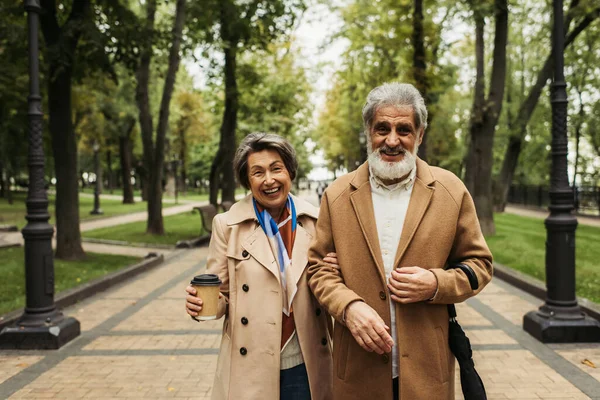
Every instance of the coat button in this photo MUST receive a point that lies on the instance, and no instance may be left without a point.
(245, 287)
(244, 253)
(244, 320)
(382, 295)
(386, 358)
(318, 312)
(324, 342)
(243, 351)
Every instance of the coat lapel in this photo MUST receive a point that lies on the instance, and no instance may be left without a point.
(419, 202)
(299, 254)
(362, 202)
(259, 248)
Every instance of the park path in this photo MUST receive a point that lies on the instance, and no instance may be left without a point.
(17, 237)
(108, 196)
(138, 343)
(535, 213)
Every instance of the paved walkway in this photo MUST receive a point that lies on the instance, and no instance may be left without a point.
(138, 343)
(535, 213)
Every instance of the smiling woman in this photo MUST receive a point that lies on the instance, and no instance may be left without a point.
(276, 341)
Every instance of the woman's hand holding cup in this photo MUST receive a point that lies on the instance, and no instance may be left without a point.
(193, 304)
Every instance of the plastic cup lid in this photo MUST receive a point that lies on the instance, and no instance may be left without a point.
(206, 280)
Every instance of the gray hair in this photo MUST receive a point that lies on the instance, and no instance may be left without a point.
(260, 141)
(398, 95)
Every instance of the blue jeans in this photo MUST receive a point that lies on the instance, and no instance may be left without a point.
(293, 383)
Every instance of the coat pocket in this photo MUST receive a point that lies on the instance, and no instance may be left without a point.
(442, 350)
(342, 358)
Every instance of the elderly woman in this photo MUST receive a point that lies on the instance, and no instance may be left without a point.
(276, 338)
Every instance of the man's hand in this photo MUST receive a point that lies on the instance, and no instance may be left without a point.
(368, 329)
(412, 284)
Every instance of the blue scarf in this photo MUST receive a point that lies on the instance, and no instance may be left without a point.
(279, 249)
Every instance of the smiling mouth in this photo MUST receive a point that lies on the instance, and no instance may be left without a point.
(392, 153)
(272, 191)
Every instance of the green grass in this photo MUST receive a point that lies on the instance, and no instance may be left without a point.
(68, 274)
(519, 243)
(15, 214)
(182, 226)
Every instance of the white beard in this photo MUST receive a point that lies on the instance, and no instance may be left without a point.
(390, 171)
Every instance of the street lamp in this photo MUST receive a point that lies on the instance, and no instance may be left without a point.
(41, 326)
(560, 319)
(97, 187)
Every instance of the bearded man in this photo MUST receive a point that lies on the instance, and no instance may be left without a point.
(396, 224)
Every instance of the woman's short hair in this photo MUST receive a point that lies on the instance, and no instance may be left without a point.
(260, 141)
(398, 95)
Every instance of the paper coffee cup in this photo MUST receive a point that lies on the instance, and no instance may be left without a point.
(207, 288)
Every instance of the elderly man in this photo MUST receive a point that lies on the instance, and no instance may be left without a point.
(396, 224)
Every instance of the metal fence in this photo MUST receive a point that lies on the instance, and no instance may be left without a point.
(586, 198)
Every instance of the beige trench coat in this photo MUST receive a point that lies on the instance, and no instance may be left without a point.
(441, 227)
(249, 356)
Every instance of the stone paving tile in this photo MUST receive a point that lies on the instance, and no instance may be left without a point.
(489, 336)
(518, 374)
(115, 377)
(157, 277)
(92, 313)
(467, 316)
(165, 314)
(577, 353)
(12, 365)
(510, 306)
(156, 342)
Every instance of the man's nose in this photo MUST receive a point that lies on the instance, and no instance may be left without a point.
(393, 139)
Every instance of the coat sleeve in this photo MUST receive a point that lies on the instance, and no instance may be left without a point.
(325, 281)
(469, 248)
(217, 262)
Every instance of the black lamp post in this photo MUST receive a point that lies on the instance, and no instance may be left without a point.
(41, 326)
(97, 187)
(560, 319)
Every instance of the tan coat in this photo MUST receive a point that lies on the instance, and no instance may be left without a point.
(240, 254)
(441, 227)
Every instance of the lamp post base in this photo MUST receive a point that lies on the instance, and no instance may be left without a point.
(97, 212)
(554, 329)
(41, 337)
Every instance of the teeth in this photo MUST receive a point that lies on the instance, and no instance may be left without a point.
(271, 191)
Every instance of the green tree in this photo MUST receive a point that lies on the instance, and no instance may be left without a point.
(236, 27)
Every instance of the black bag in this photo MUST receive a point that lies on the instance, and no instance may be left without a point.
(471, 383)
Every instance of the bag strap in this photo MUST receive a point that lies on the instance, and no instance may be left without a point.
(473, 281)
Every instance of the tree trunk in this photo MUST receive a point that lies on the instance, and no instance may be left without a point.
(419, 64)
(183, 160)
(109, 171)
(64, 148)
(61, 46)
(478, 172)
(2, 182)
(125, 155)
(154, 153)
(527, 107)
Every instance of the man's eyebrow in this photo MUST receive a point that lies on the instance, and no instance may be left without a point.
(382, 123)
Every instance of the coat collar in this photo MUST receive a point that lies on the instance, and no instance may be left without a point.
(362, 202)
(257, 244)
(243, 210)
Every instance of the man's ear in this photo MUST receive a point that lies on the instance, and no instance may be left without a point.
(421, 134)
